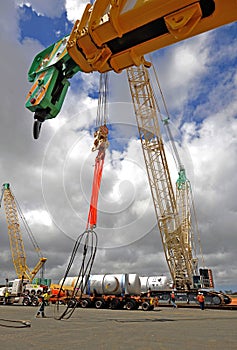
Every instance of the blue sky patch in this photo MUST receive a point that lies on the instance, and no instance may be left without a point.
(45, 29)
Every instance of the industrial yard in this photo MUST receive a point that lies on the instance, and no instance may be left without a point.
(131, 265)
(163, 328)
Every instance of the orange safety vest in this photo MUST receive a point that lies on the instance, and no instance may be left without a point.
(200, 298)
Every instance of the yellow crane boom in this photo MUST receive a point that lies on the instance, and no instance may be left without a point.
(15, 237)
(173, 220)
(117, 34)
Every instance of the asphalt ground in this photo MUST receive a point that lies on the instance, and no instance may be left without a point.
(164, 328)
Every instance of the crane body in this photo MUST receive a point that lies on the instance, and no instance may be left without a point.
(115, 35)
(175, 218)
(15, 238)
(177, 246)
(173, 210)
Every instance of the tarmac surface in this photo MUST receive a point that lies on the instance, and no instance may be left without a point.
(164, 328)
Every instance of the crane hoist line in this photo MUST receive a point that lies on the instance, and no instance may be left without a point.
(88, 240)
(13, 211)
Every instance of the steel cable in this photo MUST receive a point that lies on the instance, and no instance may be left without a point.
(88, 242)
(22, 323)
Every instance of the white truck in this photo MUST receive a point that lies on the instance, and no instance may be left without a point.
(21, 292)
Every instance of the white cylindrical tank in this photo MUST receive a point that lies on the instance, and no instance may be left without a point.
(72, 281)
(133, 284)
(106, 284)
(115, 284)
(154, 283)
(69, 281)
(144, 284)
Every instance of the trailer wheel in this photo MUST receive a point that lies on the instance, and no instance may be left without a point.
(99, 304)
(130, 305)
(35, 301)
(85, 303)
(145, 306)
(26, 301)
(72, 303)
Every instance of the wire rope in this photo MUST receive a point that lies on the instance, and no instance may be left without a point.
(87, 241)
(102, 110)
(21, 323)
(28, 230)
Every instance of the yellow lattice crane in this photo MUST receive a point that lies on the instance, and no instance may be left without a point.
(12, 209)
(173, 211)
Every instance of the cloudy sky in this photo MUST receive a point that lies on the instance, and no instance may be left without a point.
(51, 177)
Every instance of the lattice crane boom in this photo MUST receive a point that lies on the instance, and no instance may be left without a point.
(15, 237)
(177, 245)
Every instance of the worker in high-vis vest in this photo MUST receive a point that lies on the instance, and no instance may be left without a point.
(44, 300)
(201, 299)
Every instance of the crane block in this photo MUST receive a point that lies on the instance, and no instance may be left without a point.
(101, 138)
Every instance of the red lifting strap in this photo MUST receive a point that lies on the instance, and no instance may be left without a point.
(99, 163)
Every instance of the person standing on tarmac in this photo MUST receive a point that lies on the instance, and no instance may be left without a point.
(172, 299)
(6, 296)
(45, 299)
(201, 299)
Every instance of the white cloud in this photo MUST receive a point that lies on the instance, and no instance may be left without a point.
(75, 9)
(53, 8)
(180, 67)
(38, 217)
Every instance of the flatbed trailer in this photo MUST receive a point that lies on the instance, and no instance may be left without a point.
(129, 302)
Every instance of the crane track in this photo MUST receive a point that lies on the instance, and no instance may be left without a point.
(193, 306)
